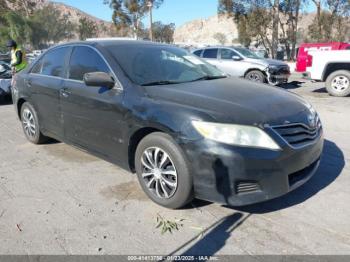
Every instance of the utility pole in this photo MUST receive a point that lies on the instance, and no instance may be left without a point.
(150, 6)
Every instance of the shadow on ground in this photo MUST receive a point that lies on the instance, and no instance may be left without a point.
(320, 90)
(212, 239)
(331, 166)
(5, 100)
(292, 85)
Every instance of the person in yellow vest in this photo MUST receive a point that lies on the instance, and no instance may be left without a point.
(18, 58)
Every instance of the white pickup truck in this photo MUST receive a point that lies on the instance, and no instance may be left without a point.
(332, 67)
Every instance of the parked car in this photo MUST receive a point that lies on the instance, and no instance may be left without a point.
(304, 59)
(241, 62)
(332, 67)
(5, 57)
(5, 80)
(182, 125)
(5, 70)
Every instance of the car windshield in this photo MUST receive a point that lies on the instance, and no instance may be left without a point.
(247, 53)
(161, 65)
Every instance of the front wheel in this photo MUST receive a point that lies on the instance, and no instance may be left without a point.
(256, 76)
(30, 124)
(163, 171)
(338, 83)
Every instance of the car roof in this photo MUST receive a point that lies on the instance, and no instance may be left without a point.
(219, 46)
(107, 43)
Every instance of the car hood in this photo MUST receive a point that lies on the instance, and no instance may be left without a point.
(235, 100)
(267, 62)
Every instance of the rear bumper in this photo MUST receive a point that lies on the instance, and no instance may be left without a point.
(241, 176)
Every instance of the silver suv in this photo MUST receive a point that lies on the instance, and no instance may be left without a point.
(241, 62)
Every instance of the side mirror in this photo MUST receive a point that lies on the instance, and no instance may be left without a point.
(236, 58)
(99, 79)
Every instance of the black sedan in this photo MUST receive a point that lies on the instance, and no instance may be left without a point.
(182, 125)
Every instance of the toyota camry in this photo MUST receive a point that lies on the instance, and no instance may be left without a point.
(185, 128)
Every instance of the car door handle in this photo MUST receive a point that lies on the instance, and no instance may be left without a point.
(28, 82)
(64, 92)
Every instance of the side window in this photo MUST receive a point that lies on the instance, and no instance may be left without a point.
(210, 53)
(198, 52)
(86, 60)
(37, 67)
(53, 62)
(227, 54)
(348, 48)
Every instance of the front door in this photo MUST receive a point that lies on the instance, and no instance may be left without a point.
(230, 66)
(92, 116)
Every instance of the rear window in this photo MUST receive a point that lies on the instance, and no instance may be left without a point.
(37, 67)
(210, 53)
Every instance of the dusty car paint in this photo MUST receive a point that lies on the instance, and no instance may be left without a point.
(110, 122)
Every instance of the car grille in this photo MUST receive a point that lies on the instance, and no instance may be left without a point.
(281, 70)
(246, 187)
(284, 70)
(298, 134)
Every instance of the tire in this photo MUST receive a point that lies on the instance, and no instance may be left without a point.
(30, 124)
(256, 76)
(338, 83)
(172, 178)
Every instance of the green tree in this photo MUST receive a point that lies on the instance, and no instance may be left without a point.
(290, 10)
(255, 20)
(127, 14)
(42, 27)
(163, 33)
(331, 22)
(86, 28)
(220, 37)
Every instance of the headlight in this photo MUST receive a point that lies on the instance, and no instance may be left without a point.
(239, 135)
(273, 68)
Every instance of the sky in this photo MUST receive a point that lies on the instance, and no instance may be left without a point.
(171, 11)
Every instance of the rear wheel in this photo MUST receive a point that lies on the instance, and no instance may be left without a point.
(163, 171)
(30, 124)
(256, 76)
(338, 83)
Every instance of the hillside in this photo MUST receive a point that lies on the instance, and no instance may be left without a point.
(75, 14)
(202, 31)
(104, 27)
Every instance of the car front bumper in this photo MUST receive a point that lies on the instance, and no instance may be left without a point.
(278, 75)
(241, 176)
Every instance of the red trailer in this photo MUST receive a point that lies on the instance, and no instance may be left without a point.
(304, 59)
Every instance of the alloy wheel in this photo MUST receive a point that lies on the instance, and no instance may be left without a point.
(159, 173)
(28, 123)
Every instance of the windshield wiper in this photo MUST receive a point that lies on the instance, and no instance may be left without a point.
(162, 82)
(208, 78)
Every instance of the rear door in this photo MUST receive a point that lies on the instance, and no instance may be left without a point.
(211, 56)
(92, 115)
(45, 81)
